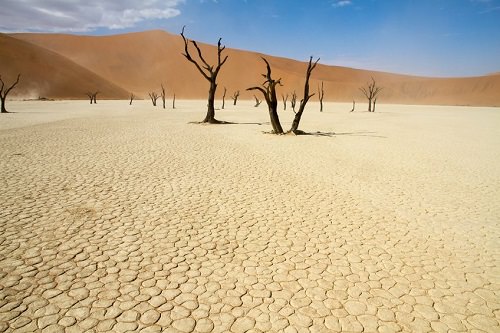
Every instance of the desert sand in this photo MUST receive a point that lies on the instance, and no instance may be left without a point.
(129, 218)
(140, 62)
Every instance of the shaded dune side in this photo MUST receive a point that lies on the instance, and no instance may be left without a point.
(140, 62)
(45, 73)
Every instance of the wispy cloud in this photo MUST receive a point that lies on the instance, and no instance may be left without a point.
(82, 15)
(342, 3)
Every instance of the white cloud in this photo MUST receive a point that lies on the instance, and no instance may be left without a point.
(82, 15)
(342, 3)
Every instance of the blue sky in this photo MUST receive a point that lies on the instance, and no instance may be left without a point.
(420, 37)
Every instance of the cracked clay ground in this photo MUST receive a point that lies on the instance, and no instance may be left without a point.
(129, 219)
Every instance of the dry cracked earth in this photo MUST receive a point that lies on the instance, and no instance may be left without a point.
(136, 221)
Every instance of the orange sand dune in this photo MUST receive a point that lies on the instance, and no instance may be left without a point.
(140, 62)
(45, 73)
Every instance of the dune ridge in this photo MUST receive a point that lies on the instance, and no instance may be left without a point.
(139, 62)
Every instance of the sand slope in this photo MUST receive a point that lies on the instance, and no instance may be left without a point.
(139, 62)
(48, 74)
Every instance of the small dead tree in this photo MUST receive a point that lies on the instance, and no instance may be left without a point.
(321, 95)
(293, 101)
(374, 103)
(284, 98)
(4, 91)
(305, 99)
(209, 72)
(154, 96)
(235, 96)
(163, 95)
(132, 96)
(371, 92)
(173, 102)
(92, 97)
(257, 101)
(268, 89)
(353, 105)
(224, 98)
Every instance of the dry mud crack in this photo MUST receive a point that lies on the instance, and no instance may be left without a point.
(137, 221)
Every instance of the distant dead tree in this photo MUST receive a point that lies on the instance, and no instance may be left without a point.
(321, 95)
(224, 98)
(163, 95)
(353, 105)
(293, 101)
(4, 91)
(235, 96)
(173, 102)
(374, 103)
(305, 99)
(209, 73)
(92, 96)
(257, 101)
(268, 89)
(371, 92)
(132, 96)
(284, 98)
(154, 96)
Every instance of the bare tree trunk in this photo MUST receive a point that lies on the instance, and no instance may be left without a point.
(303, 102)
(374, 103)
(269, 92)
(235, 96)
(132, 96)
(173, 102)
(321, 95)
(293, 101)
(285, 98)
(163, 95)
(91, 97)
(210, 117)
(94, 97)
(369, 105)
(257, 101)
(353, 105)
(224, 98)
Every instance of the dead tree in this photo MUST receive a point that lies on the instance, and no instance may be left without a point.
(305, 99)
(268, 89)
(293, 101)
(374, 103)
(209, 73)
(92, 97)
(257, 101)
(353, 105)
(173, 102)
(163, 95)
(154, 96)
(132, 96)
(285, 98)
(235, 96)
(224, 98)
(371, 92)
(321, 95)
(4, 91)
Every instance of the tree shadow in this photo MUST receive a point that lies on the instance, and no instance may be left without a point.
(333, 134)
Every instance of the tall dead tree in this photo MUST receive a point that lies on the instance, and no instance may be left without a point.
(154, 96)
(284, 98)
(224, 98)
(371, 92)
(163, 95)
(353, 105)
(132, 96)
(209, 72)
(305, 99)
(268, 89)
(293, 101)
(235, 96)
(257, 101)
(173, 102)
(4, 91)
(321, 95)
(92, 96)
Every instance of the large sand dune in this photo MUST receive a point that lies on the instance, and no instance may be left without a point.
(139, 62)
(126, 218)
